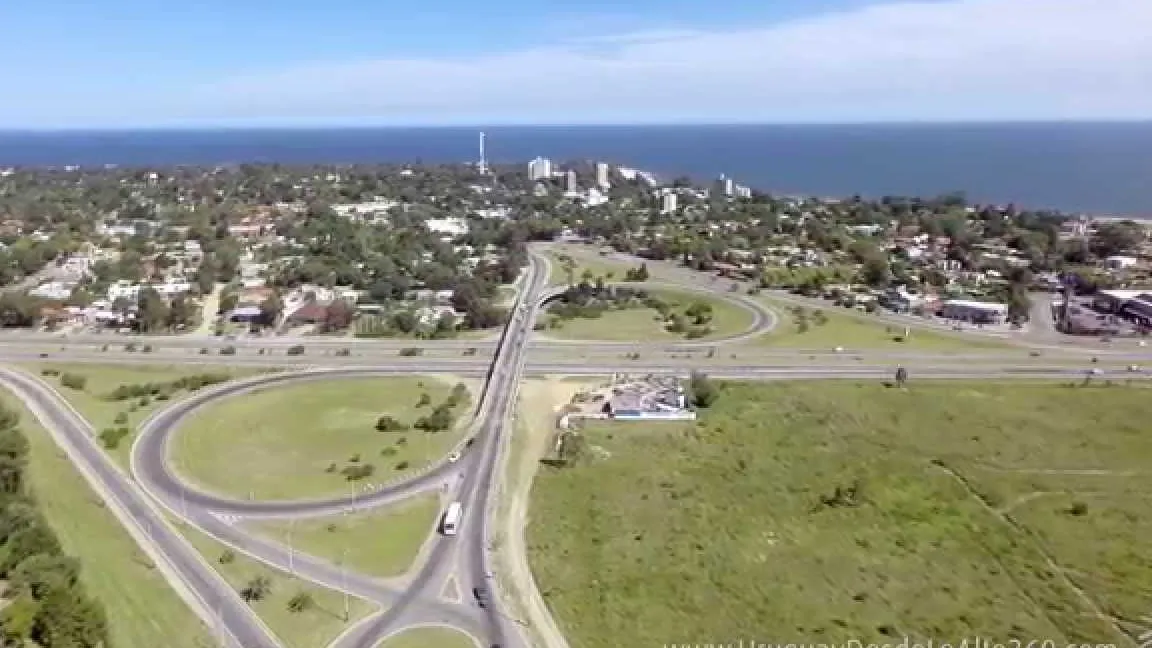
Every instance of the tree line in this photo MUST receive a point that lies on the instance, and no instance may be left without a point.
(45, 603)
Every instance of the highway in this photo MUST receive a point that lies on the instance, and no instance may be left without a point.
(139, 499)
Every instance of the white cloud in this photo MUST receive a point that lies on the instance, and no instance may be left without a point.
(952, 60)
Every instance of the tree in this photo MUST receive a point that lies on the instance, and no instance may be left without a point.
(337, 317)
(153, 314)
(68, 618)
(301, 602)
(13, 460)
(40, 573)
(18, 619)
(270, 310)
(180, 312)
(256, 589)
(25, 543)
(876, 271)
(1116, 238)
(206, 275)
(702, 390)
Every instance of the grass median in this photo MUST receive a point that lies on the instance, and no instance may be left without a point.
(847, 510)
(380, 542)
(640, 323)
(300, 613)
(319, 439)
(120, 397)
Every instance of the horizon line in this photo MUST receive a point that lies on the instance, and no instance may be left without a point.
(570, 125)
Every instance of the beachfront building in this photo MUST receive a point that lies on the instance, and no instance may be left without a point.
(540, 169)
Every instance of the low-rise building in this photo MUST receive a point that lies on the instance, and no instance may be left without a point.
(974, 311)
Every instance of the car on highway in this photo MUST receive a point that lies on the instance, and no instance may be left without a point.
(481, 594)
(454, 457)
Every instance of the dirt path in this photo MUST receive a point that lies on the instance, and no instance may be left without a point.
(209, 305)
(1090, 603)
(539, 402)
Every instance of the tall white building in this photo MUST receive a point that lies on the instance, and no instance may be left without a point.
(602, 175)
(570, 177)
(668, 204)
(540, 168)
(728, 186)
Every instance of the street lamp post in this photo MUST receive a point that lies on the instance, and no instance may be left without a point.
(291, 552)
(344, 580)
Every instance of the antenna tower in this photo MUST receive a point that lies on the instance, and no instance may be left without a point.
(482, 167)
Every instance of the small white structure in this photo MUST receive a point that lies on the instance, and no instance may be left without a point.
(1120, 262)
(54, 290)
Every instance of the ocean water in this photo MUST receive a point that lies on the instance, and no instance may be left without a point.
(1096, 168)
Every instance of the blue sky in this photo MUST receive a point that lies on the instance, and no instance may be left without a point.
(130, 63)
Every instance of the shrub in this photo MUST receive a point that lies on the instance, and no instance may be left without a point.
(110, 438)
(121, 418)
(73, 381)
(49, 372)
(390, 451)
(389, 424)
(358, 471)
(425, 399)
(403, 465)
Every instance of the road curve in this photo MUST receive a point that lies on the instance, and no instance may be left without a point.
(764, 319)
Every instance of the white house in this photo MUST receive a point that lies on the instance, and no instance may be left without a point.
(52, 290)
(123, 290)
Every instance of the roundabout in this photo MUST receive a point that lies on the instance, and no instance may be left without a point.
(314, 440)
(752, 318)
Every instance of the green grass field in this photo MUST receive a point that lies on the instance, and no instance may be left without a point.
(294, 442)
(584, 262)
(380, 542)
(316, 626)
(143, 611)
(429, 637)
(646, 325)
(837, 328)
(102, 380)
(844, 510)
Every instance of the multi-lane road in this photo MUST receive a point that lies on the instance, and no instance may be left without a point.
(144, 499)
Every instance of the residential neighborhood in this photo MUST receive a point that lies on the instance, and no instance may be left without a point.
(408, 250)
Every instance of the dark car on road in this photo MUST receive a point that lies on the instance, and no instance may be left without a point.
(481, 594)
